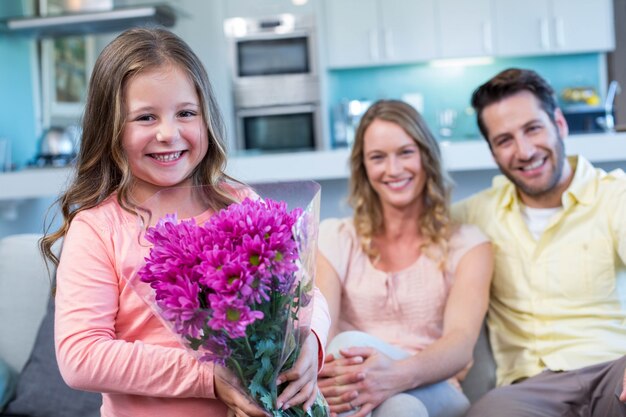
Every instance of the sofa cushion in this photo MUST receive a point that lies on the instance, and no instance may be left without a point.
(7, 383)
(482, 376)
(24, 292)
(41, 392)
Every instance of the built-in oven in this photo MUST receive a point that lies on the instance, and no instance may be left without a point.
(278, 128)
(276, 91)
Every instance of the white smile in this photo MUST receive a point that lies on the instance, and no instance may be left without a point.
(397, 184)
(166, 157)
(534, 165)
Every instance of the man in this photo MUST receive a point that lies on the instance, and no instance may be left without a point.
(558, 226)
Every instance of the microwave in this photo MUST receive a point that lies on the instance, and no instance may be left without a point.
(273, 60)
(279, 128)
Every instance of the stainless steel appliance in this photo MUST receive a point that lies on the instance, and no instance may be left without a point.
(275, 82)
(278, 128)
(58, 146)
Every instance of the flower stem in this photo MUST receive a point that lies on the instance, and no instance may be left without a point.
(238, 369)
(250, 351)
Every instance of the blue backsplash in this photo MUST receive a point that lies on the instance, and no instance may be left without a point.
(17, 105)
(450, 87)
(17, 111)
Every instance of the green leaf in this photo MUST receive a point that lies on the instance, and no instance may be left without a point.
(257, 390)
(266, 400)
(265, 346)
(266, 364)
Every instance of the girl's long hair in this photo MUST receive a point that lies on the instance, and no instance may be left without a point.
(435, 224)
(101, 166)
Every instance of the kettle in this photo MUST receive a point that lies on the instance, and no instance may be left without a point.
(58, 146)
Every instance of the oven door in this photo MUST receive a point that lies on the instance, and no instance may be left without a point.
(279, 128)
(264, 56)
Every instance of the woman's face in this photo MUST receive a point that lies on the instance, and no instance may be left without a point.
(393, 163)
(165, 136)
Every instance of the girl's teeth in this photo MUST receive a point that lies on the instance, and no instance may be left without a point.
(166, 157)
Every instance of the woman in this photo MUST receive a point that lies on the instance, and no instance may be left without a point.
(407, 289)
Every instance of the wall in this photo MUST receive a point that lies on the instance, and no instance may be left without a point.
(450, 87)
(19, 104)
(617, 61)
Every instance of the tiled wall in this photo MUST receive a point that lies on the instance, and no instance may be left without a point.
(17, 102)
(450, 87)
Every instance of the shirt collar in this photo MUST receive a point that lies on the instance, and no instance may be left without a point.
(582, 188)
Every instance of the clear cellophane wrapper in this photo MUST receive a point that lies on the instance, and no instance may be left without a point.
(235, 285)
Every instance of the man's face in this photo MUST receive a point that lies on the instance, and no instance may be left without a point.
(527, 146)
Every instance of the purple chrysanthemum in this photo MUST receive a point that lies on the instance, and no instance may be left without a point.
(217, 275)
(180, 303)
(175, 251)
(232, 315)
(217, 348)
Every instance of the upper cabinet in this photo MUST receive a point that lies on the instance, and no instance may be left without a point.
(265, 8)
(379, 32)
(384, 32)
(465, 28)
(536, 27)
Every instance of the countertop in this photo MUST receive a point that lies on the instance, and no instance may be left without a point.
(469, 155)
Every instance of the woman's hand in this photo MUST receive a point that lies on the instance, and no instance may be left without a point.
(229, 390)
(302, 377)
(360, 381)
(336, 382)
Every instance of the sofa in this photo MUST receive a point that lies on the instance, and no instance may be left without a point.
(30, 383)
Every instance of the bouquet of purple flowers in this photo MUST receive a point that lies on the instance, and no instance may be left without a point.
(237, 289)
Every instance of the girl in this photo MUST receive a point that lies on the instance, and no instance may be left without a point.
(407, 288)
(150, 123)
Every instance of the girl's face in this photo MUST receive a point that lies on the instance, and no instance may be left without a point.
(165, 136)
(393, 163)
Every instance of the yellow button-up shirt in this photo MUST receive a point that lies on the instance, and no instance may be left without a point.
(555, 302)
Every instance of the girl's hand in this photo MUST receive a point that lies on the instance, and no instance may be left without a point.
(229, 390)
(379, 379)
(302, 388)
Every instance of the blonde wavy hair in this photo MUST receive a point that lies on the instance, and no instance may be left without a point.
(435, 224)
(102, 167)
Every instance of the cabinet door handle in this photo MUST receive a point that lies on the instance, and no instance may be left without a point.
(560, 32)
(545, 33)
(374, 50)
(389, 51)
(487, 38)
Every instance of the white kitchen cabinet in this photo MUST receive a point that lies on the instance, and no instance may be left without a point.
(465, 28)
(583, 25)
(536, 27)
(266, 8)
(379, 32)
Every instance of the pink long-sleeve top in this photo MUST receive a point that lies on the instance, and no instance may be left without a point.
(107, 338)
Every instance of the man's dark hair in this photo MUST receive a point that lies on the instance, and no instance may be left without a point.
(507, 83)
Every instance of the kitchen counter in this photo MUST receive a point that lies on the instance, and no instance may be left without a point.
(469, 155)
